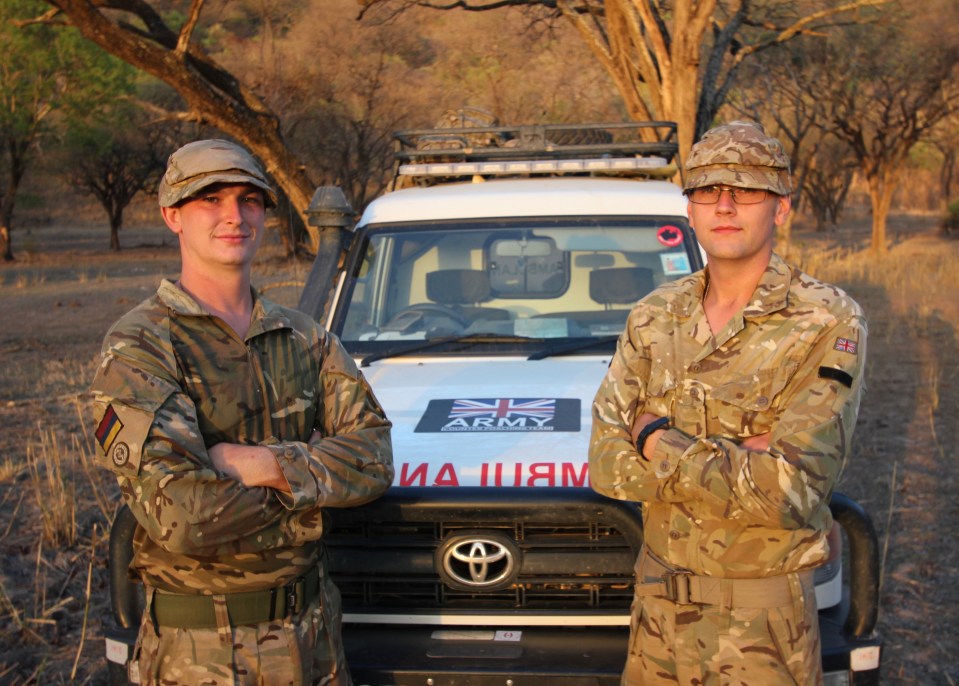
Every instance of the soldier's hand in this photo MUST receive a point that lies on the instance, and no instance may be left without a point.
(251, 465)
(642, 420)
(759, 442)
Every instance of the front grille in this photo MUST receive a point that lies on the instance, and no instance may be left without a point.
(576, 550)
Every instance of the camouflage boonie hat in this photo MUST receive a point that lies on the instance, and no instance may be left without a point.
(203, 163)
(738, 154)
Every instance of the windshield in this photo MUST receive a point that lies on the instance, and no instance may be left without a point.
(515, 283)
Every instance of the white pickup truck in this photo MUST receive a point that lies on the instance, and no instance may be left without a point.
(483, 302)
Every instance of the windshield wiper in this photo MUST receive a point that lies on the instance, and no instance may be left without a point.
(436, 342)
(572, 347)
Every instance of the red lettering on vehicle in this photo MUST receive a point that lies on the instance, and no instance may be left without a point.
(542, 470)
(571, 478)
(497, 474)
(517, 474)
(446, 476)
(407, 479)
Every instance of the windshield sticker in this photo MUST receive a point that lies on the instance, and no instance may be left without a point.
(500, 414)
(670, 235)
(675, 263)
(542, 327)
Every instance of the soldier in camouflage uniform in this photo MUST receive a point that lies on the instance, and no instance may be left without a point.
(728, 410)
(231, 423)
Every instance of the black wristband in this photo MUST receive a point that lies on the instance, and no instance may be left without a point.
(656, 424)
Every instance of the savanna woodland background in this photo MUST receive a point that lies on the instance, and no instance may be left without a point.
(94, 95)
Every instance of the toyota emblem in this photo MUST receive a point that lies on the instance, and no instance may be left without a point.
(478, 561)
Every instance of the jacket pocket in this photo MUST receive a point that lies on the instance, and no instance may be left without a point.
(659, 393)
(749, 405)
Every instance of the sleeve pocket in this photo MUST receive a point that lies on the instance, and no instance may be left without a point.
(125, 404)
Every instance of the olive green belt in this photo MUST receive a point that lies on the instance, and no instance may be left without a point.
(186, 611)
(686, 588)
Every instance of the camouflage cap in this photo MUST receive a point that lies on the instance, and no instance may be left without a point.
(203, 163)
(738, 154)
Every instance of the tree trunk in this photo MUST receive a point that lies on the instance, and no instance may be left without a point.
(6, 220)
(681, 96)
(881, 187)
(116, 221)
(655, 73)
(7, 203)
(683, 109)
(6, 245)
(784, 236)
(945, 180)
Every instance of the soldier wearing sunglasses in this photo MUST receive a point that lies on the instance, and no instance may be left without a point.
(728, 411)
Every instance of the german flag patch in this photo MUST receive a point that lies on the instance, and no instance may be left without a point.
(108, 429)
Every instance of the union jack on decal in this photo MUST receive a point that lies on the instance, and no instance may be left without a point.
(504, 407)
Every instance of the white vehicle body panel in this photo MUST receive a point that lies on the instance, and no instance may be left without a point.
(528, 198)
(515, 453)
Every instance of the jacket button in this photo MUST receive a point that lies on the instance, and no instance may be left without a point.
(695, 368)
(762, 401)
(664, 466)
(675, 535)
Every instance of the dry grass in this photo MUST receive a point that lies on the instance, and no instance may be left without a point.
(914, 281)
(56, 595)
(53, 481)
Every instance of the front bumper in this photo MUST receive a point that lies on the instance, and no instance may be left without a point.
(456, 656)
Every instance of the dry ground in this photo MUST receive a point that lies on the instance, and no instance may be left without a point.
(66, 288)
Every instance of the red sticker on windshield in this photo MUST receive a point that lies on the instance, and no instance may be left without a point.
(670, 236)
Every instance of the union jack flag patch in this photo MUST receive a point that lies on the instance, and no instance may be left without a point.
(845, 345)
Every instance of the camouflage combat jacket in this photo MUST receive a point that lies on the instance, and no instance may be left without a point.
(174, 381)
(791, 363)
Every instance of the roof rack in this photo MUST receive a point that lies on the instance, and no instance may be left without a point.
(425, 156)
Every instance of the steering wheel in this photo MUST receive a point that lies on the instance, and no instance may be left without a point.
(408, 316)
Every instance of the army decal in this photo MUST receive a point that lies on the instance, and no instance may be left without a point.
(500, 414)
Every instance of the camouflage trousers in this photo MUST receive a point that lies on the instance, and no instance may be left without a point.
(709, 645)
(303, 650)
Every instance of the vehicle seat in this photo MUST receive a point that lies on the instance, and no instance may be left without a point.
(620, 285)
(614, 286)
(464, 290)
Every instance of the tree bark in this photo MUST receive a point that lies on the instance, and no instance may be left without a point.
(116, 223)
(6, 245)
(7, 202)
(882, 184)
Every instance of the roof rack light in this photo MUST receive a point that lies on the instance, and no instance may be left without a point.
(605, 164)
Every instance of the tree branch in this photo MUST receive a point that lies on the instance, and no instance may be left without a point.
(186, 31)
(800, 26)
(48, 17)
